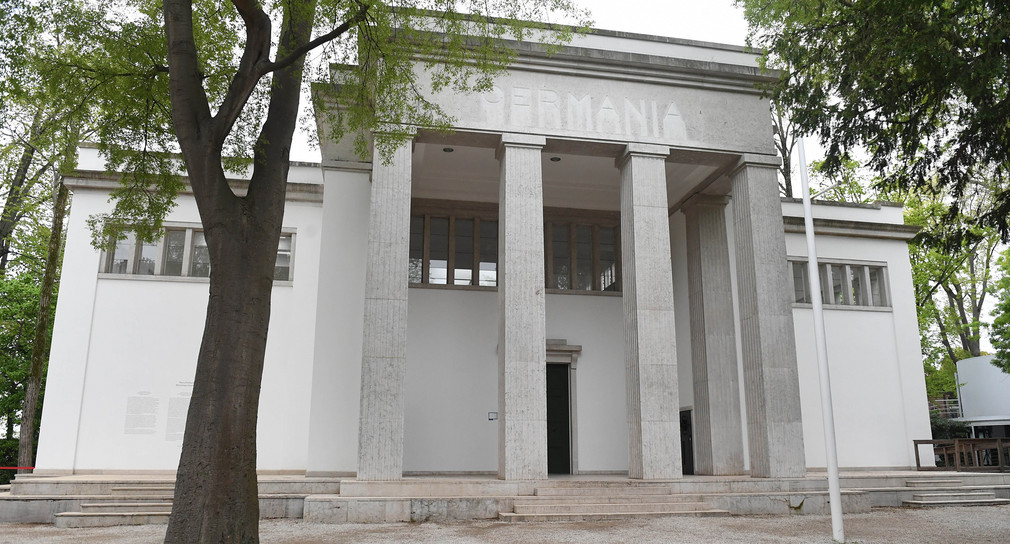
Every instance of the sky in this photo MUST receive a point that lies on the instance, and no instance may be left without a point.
(705, 20)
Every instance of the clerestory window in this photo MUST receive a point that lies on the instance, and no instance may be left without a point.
(456, 244)
(843, 283)
(181, 252)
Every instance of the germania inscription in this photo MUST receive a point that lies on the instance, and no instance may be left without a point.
(519, 106)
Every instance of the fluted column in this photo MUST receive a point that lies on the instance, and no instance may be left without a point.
(718, 430)
(522, 340)
(771, 384)
(650, 348)
(384, 346)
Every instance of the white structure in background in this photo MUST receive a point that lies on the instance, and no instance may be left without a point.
(984, 394)
(593, 274)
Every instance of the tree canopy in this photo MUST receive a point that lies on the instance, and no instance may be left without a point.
(921, 85)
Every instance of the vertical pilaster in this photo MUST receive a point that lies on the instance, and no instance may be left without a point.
(774, 424)
(384, 346)
(650, 346)
(718, 433)
(522, 336)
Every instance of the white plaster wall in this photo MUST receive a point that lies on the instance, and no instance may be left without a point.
(984, 390)
(336, 369)
(71, 338)
(452, 379)
(597, 324)
(132, 336)
(874, 360)
(682, 310)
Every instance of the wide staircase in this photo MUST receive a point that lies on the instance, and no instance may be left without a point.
(104, 501)
(950, 492)
(126, 504)
(600, 501)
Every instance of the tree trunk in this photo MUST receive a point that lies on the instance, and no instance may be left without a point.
(216, 495)
(26, 444)
(15, 196)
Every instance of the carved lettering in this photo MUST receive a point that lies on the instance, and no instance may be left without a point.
(520, 107)
(634, 118)
(673, 124)
(548, 109)
(521, 110)
(580, 113)
(607, 119)
(493, 107)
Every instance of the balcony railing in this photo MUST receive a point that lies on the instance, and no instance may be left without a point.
(946, 408)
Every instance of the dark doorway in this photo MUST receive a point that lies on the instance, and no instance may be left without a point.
(686, 441)
(559, 453)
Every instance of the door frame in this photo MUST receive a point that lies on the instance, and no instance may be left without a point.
(560, 352)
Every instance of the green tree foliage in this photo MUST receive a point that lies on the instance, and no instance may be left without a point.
(999, 333)
(921, 85)
(19, 303)
(944, 428)
(846, 184)
(952, 276)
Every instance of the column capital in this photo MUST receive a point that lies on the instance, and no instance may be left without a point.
(511, 139)
(642, 150)
(703, 200)
(756, 161)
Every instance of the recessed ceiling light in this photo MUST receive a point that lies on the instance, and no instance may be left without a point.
(448, 149)
(555, 159)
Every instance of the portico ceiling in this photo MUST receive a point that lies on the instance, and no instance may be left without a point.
(576, 174)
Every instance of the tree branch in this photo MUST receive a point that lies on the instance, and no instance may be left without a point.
(358, 17)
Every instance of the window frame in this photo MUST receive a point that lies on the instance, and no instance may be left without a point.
(451, 210)
(161, 256)
(826, 269)
(574, 219)
(479, 212)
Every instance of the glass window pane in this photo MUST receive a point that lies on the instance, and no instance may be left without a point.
(608, 258)
(837, 284)
(858, 289)
(175, 249)
(560, 256)
(201, 256)
(488, 253)
(415, 266)
(439, 250)
(800, 283)
(148, 257)
(282, 267)
(584, 258)
(463, 262)
(121, 255)
(877, 292)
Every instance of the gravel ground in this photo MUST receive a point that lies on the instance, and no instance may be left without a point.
(974, 525)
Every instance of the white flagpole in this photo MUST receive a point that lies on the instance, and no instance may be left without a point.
(827, 412)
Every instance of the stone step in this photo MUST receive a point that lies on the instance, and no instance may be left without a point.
(608, 499)
(67, 520)
(609, 508)
(601, 491)
(130, 506)
(954, 496)
(962, 502)
(155, 490)
(929, 482)
(510, 517)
